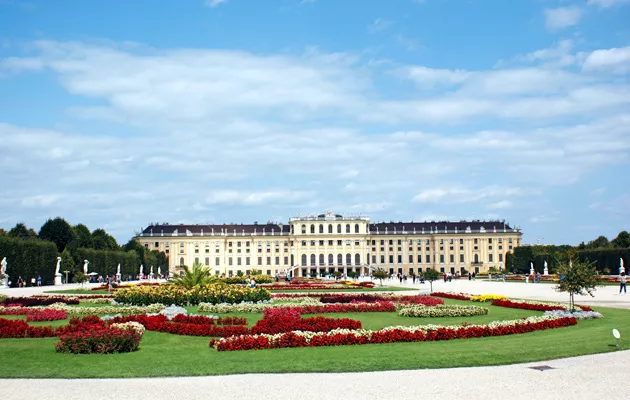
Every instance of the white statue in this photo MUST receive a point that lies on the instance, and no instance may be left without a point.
(546, 271)
(151, 271)
(85, 266)
(3, 266)
(141, 271)
(531, 268)
(621, 268)
(57, 273)
(118, 270)
(159, 271)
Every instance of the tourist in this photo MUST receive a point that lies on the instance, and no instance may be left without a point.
(33, 281)
(20, 281)
(252, 283)
(622, 284)
(469, 276)
(39, 280)
(474, 274)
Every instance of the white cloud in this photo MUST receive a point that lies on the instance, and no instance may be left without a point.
(615, 60)
(379, 25)
(245, 198)
(500, 205)
(543, 218)
(214, 3)
(42, 200)
(607, 3)
(562, 17)
(456, 195)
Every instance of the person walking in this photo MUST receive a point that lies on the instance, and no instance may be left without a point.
(622, 283)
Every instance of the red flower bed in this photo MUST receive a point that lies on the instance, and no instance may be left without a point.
(450, 296)
(203, 320)
(159, 323)
(37, 301)
(101, 340)
(425, 300)
(17, 328)
(526, 306)
(291, 339)
(348, 298)
(47, 314)
(382, 306)
(14, 310)
(281, 320)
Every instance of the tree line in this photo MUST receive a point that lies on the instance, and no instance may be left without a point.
(604, 255)
(30, 253)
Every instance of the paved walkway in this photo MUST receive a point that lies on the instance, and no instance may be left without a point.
(585, 377)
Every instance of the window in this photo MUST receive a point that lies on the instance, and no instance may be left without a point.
(382, 242)
(339, 243)
(207, 261)
(238, 244)
(322, 260)
(428, 249)
(166, 244)
(229, 260)
(312, 228)
(476, 241)
(452, 258)
(196, 244)
(391, 242)
(461, 258)
(348, 243)
(500, 257)
(348, 259)
(428, 241)
(268, 260)
(303, 229)
(246, 244)
(451, 241)
(207, 251)
(181, 261)
(410, 241)
(510, 240)
(399, 259)
(356, 228)
(357, 259)
(229, 244)
(410, 258)
(331, 259)
(312, 243)
(489, 247)
(321, 242)
(373, 259)
(347, 228)
(247, 261)
(321, 228)
(286, 260)
(391, 259)
(216, 261)
(303, 242)
(157, 244)
(338, 228)
(197, 251)
(489, 240)
(461, 241)
(382, 259)
(428, 259)
(441, 258)
(181, 244)
(330, 228)
(339, 259)
(490, 257)
(441, 241)
(268, 244)
(277, 260)
(259, 260)
(419, 258)
(330, 242)
(238, 261)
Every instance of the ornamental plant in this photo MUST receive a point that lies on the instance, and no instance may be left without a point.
(431, 275)
(380, 274)
(172, 294)
(46, 314)
(198, 276)
(105, 340)
(483, 298)
(441, 311)
(579, 278)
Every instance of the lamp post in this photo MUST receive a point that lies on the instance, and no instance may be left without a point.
(66, 272)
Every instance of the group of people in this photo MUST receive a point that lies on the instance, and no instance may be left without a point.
(23, 282)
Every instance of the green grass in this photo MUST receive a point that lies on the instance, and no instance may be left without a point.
(163, 354)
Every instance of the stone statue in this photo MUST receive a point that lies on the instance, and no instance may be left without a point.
(57, 273)
(141, 271)
(3, 271)
(621, 268)
(159, 271)
(85, 266)
(531, 268)
(118, 270)
(546, 271)
(151, 271)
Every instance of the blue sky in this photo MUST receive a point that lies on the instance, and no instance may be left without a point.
(120, 113)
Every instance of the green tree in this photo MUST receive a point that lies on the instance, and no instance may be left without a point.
(67, 262)
(431, 275)
(599, 243)
(57, 231)
(622, 241)
(83, 237)
(80, 277)
(21, 231)
(579, 278)
(103, 241)
(380, 274)
(199, 275)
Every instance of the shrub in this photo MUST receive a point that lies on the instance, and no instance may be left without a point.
(104, 340)
(47, 314)
(487, 297)
(454, 296)
(442, 311)
(18, 328)
(39, 301)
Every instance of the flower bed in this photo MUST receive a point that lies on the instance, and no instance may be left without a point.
(199, 327)
(454, 296)
(153, 308)
(382, 306)
(17, 328)
(46, 314)
(105, 340)
(289, 320)
(424, 300)
(38, 301)
(441, 311)
(574, 314)
(527, 306)
(252, 307)
(171, 294)
(244, 279)
(483, 298)
(341, 298)
(17, 310)
(340, 337)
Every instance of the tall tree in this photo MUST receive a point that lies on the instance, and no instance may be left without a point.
(103, 241)
(21, 231)
(431, 275)
(83, 236)
(622, 241)
(57, 231)
(599, 243)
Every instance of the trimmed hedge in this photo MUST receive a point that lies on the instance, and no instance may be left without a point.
(105, 262)
(28, 258)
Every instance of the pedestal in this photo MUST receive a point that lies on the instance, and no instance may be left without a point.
(531, 271)
(58, 280)
(546, 271)
(5, 283)
(118, 276)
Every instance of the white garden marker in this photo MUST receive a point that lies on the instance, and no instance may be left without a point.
(617, 335)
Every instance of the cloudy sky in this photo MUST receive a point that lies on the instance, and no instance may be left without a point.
(117, 114)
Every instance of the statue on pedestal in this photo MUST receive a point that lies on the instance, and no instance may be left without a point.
(151, 274)
(531, 268)
(85, 266)
(141, 271)
(621, 268)
(57, 273)
(546, 271)
(3, 271)
(159, 271)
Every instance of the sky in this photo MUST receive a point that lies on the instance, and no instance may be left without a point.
(117, 113)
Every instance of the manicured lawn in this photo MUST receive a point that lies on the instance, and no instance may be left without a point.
(164, 354)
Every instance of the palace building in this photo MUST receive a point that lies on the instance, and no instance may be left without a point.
(317, 244)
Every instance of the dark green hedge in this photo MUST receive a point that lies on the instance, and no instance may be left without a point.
(105, 262)
(28, 258)
(606, 258)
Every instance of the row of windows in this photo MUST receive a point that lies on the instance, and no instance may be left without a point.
(399, 259)
(330, 228)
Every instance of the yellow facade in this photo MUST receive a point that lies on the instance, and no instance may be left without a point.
(314, 245)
